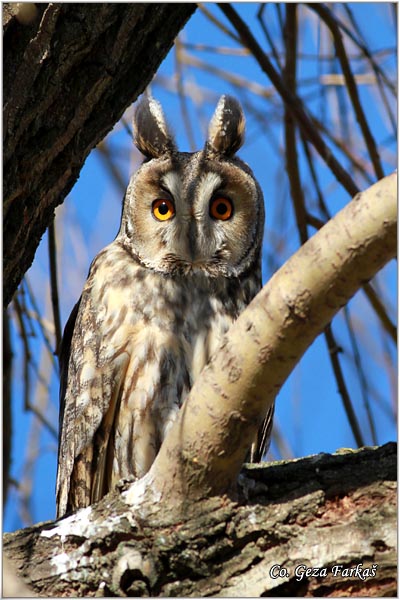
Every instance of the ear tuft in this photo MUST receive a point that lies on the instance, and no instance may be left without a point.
(226, 129)
(151, 134)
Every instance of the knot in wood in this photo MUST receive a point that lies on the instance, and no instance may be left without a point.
(133, 574)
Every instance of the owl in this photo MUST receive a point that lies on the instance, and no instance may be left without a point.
(157, 303)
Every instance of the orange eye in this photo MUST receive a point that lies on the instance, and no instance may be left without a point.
(163, 209)
(221, 208)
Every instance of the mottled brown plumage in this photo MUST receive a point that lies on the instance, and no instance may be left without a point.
(157, 302)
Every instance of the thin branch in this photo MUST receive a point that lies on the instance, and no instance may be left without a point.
(27, 354)
(296, 190)
(54, 285)
(334, 350)
(294, 103)
(42, 328)
(392, 374)
(292, 166)
(344, 148)
(225, 50)
(285, 451)
(380, 310)
(181, 95)
(127, 127)
(361, 374)
(27, 362)
(44, 420)
(325, 14)
(232, 78)
(260, 17)
(279, 8)
(217, 23)
(315, 221)
(321, 202)
(365, 50)
(105, 154)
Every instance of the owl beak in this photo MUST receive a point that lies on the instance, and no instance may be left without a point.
(192, 240)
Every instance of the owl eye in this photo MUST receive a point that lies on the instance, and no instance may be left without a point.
(163, 209)
(221, 208)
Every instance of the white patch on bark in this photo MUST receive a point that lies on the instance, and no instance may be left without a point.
(142, 491)
(63, 563)
(76, 524)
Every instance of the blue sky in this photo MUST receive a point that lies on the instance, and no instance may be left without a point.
(309, 410)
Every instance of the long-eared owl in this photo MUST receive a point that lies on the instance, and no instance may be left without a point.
(157, 302)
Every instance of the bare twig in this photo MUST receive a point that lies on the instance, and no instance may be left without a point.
(44, 420)
(380, 310)
(225, 75)
(294, 103)
(296, 190)
(358, 41)
(285, 452)
(36, 312)
(333, 353)
(260, 17)
(54, 284)
(360, 374)
(106, 156)
(327, 17)
(217, 22)
(27, 353)
(344, 148)
(292, 166)
(225, 50)
(392, 374)
(321, 202)
(181, 94)
(127, 127)
(314, 221)
(27, 362)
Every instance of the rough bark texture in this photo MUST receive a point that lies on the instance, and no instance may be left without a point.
(320, 511)
(70, 71)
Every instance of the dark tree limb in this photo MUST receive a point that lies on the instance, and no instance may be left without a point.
(320, 511)
(70, 71)
(7, 412)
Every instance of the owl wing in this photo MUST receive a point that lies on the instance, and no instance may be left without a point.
(65, 349)
(89, 394)
(260, 446)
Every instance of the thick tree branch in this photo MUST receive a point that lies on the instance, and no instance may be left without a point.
(290, 514)
(174, 532)
(206, 446)
(69, 74)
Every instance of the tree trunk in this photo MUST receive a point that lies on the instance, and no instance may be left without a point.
(329, 513)
(70, 71)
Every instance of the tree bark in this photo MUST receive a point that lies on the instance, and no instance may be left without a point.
(325, 512)
(7, 412)
(70, 71)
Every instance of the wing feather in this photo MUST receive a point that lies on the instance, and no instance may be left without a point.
(89, 397)
(260, 446)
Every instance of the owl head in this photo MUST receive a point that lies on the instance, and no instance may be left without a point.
(199, 212)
